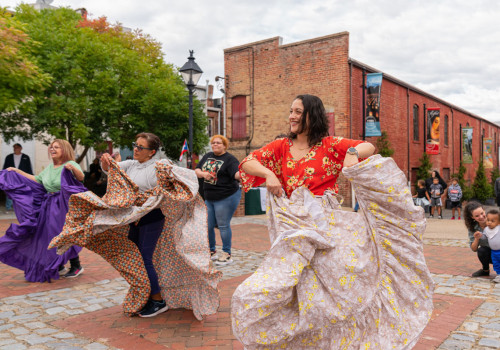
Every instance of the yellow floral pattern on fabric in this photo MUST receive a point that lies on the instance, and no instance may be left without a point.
(340, 280)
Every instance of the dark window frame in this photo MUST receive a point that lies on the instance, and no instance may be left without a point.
(446, 130)
(416, 126)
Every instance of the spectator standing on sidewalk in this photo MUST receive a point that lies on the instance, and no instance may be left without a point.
(497, 190)
(492, 233)
(455, 195)
(222, 194)
(20, 161)
(475, 221)
(422, 197)
(436, 191)
(429, 181)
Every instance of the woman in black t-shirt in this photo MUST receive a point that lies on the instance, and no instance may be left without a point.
(222, 194)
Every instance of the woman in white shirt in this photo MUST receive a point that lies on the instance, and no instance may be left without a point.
(147, 230)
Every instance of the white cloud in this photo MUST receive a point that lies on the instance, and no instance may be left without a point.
(449, 48)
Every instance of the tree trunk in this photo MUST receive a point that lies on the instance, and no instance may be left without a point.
(84, 153)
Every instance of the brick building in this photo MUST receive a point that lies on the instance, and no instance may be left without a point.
(262, 79)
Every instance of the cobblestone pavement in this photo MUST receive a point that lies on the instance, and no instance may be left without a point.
(27, 320)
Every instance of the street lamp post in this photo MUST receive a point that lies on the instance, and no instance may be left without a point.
(191, 74)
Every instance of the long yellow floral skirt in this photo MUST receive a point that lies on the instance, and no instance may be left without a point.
(340, 280)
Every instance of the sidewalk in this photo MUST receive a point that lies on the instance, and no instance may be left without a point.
(85, 313)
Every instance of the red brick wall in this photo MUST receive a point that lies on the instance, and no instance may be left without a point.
(396, 117)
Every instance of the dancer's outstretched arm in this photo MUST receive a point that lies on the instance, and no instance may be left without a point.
(20, 172)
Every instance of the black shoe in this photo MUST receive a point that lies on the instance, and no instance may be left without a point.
(74, 272)
(63, 270)
(153, 308)
(481, 273)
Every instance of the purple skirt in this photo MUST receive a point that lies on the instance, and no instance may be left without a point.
(41, 217)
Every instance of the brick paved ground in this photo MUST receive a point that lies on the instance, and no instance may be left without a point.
(466, 314)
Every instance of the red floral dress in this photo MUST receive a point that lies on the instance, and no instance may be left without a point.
(317, 170)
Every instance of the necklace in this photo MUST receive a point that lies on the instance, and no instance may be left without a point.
(301, 149)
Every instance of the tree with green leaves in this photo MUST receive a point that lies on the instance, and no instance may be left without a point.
(384, 146)
(494, 174)
(20, 76)
(460, 175)
(481, 186)
(106, 84)
(424, 168)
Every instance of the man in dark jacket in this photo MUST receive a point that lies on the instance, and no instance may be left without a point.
(17, 160)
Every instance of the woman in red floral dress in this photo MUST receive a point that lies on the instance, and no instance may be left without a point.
(333, 279)
(307, 158)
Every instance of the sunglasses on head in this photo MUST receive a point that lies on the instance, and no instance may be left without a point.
(140, 148)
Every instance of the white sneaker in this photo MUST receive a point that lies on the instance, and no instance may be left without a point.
(224, 259)
(213, 256)
(496, 279)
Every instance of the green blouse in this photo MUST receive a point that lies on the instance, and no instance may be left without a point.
(50, 177)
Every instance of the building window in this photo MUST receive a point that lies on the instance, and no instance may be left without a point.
(210, 127)
(415, 123)
(446, 129)
(414, 179)
(446, 174)
(239, 113)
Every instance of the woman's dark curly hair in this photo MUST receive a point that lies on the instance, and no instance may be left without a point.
(313, 119)
(469, 208)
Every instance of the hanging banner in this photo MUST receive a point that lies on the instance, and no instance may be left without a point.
(372, 121)
(488, 153)
(433, 119)
(467, 145)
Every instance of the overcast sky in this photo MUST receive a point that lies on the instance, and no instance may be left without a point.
(449, 48)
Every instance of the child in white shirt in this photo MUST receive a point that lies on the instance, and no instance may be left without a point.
(492, 232)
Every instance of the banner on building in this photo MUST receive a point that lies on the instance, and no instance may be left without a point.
(488, 153)
(372, 117)
(467, 145)
(433, 120)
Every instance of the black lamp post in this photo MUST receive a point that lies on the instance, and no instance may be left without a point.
(191, 74)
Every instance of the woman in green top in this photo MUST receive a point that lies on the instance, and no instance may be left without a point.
(63, 156)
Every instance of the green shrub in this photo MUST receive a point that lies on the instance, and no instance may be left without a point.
(467, 192)
(481, 186)
(425, 167)
(494, 174)
(384, 146)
